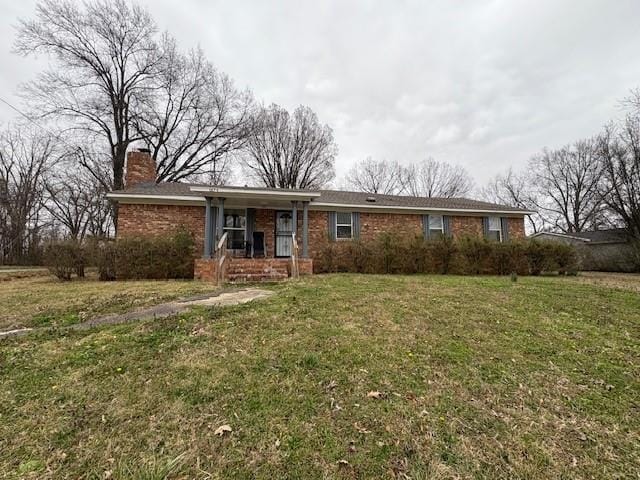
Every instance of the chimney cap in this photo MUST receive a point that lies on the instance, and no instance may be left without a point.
(144, 150)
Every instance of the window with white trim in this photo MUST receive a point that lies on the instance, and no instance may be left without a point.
(495, 229)
(344, 225)
(436, 225)
(235, 224)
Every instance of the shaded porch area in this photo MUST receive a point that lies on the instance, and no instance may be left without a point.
(254, 234)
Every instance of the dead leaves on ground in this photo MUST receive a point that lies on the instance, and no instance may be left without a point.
(222, 430)
(375, 394)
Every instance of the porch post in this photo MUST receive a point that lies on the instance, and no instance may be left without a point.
(220, 228)
(305, 229)
(294, 214)
(208, 240)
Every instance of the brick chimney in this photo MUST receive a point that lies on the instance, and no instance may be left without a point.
(141, 168)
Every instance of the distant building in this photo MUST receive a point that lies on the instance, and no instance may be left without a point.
(600, 250)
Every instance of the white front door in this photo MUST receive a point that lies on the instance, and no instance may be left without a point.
(284, 230)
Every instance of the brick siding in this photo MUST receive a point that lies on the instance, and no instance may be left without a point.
(154, 220)
(144, 220)
(140, 168)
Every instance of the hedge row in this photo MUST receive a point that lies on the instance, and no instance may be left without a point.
(467, 256)
(168, 257)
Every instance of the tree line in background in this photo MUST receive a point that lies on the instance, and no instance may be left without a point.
(428, 178)
(590, 184)
(116, 81)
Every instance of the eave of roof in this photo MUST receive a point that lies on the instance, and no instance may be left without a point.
(178, 193)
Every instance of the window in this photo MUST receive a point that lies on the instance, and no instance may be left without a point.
(235, 223)
(436, 225)
(344, 225)
(495, 229)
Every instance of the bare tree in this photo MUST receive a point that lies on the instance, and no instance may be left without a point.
(567, 181)
(194, 117)
(376, 176)
(76, 202)
(290, 151)
(431, 178)
(105, 52)
(515, 190)
(25, 158)
(620, 160)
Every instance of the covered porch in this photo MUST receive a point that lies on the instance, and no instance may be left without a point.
(254, 234)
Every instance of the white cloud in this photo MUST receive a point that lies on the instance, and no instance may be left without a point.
(482, 83)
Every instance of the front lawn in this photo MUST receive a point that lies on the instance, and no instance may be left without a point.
(339, 376)
(42, 300)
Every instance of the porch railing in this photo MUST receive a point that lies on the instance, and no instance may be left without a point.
(295, 271)
(221, 259)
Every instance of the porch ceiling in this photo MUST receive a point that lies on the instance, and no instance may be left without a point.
(256, 196)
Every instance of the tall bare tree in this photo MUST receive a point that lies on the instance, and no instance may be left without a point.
(515, 190)
(567, 181)
(431, 178)
(25, 158)
(290, 150)
(194, 117)
(104, 54)
(620, 160)
(376, 176)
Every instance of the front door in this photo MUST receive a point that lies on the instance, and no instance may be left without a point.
(284, 230)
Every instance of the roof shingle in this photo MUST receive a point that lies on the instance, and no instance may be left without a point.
(337, 197)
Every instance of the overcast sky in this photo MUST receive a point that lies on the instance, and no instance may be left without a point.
(484, 84)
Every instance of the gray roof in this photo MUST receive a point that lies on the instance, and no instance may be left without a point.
(612, 235)
(338, 197)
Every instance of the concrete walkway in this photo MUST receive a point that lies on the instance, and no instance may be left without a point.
(222, 299)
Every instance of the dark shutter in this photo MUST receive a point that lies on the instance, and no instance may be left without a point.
(446, 225)
(485, 227)
(425, 226)
(355, 225)
(504, 225)
(331, 216)
(250, 223)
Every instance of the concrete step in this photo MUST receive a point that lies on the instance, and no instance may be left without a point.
(256, 277)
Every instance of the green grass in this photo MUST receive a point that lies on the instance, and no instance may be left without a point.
(480, 378)
(42, 300)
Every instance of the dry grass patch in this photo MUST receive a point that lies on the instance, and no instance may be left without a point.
(478, 378)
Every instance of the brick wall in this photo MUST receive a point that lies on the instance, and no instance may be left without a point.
(140, 168)
(266, 222)
(205, 269)
(466, 226)
(165, 219)
(151, 220)
(516, 228)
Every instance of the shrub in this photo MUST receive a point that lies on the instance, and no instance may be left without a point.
(390, 253)
(441, 253)
(105, 260)
(150, 258)
(564, 258)
(63, 259)
(539, 256)
(475, 255)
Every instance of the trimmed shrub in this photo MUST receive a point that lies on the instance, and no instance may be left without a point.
(63, 259)
(158, 258)
(390, 253)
